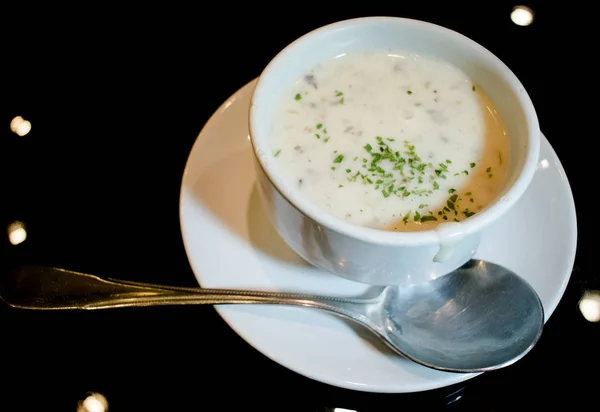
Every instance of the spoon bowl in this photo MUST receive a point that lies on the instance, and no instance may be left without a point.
(478, 318)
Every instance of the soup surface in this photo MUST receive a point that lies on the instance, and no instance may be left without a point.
(391, 140)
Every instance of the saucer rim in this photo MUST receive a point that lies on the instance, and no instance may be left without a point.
(560, 290)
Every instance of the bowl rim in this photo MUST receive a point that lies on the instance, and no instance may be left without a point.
(473, 224)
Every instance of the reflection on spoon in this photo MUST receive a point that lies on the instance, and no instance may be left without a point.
(478, 318)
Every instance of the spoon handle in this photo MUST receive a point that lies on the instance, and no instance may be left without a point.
(142, 299)
(47, 288)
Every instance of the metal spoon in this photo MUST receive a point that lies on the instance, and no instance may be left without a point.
(479, 318)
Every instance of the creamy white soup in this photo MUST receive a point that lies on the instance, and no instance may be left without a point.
(391, 140)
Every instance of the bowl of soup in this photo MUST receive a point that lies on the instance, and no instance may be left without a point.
(384, 147)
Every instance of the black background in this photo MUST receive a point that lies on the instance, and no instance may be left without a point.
(117, 94)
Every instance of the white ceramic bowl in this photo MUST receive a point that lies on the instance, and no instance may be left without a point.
(373, 256)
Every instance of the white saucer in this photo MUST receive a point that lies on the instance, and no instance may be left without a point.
(230, 244)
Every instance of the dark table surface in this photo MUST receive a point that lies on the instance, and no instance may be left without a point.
(116, 97)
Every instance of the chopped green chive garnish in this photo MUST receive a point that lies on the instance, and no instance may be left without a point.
(298, 96)
(400, 171)
(277, 153)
